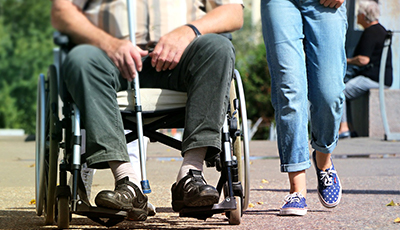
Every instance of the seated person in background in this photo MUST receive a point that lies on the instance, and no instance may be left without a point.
(367, 57)
(190, 58)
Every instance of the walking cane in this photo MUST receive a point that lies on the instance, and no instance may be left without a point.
(131, 4)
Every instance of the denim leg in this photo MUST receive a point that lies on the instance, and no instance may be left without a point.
(325, 31)
(356, 87)
(93, 80)
(306, 63)
(282, 30)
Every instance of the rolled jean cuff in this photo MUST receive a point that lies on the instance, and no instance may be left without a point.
(296, 167)
(325, 149)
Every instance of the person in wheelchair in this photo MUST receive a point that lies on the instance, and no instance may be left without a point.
(170, 54)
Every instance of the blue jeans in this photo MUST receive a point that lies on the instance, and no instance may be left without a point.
(307, 61)
(356, 87)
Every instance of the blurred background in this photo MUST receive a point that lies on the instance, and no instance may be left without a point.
(26, 51)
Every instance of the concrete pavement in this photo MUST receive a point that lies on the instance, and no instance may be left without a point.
(368, 169)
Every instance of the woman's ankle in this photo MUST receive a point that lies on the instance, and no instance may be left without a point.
(323, 160)
(298, 182)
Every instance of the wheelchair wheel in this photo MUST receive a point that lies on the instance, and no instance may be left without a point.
(63, 214)
(40, 127)
(235, 216)
(47, 145)
(241, 144)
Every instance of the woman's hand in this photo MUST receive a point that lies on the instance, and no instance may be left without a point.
(332, 3)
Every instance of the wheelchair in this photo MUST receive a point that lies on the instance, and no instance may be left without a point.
(60, 132)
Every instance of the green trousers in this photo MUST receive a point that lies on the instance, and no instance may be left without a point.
(204, 72)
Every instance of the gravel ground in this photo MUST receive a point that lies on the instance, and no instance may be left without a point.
(368, 168)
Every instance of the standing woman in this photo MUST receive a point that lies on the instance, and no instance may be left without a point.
(307, 61)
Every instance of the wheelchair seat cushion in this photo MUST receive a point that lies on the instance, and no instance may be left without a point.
(152, 100)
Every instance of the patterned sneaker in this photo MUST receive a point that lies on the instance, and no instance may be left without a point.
(295, 205)
(329, 188)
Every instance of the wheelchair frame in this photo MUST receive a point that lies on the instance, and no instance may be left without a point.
(60, 202)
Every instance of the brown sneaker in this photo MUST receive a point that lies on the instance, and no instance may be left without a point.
(193, 191)
(122, 198)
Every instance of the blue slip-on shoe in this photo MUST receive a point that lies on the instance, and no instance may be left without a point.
(329, 187)
(295, 205)
(345, 135)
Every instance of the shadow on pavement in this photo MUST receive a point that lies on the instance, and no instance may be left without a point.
(26, 218)
(274, 212)
(345, 191)
(374, 192)
(20, 218)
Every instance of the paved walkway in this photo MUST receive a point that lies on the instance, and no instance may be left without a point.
(368, 168)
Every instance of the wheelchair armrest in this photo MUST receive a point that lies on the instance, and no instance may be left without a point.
(60, 39)
(227, 35)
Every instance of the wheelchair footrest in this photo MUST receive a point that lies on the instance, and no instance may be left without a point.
(97, 214)
(202, 213)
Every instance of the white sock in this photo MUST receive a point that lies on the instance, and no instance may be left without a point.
(192, 159)
(121, 169)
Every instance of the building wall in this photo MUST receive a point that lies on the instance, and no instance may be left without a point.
(390, 18)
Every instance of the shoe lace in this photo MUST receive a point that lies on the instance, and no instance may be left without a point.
(327, 177)
(294, 197)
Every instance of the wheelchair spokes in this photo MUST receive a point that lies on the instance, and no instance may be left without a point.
(40, 145)
(48, 133)
(241, 144)
(58, 203)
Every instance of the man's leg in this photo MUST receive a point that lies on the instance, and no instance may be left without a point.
(204, 72)
(208, 67)
(93, 80)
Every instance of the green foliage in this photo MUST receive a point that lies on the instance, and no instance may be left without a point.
(25, 52)
(252, 64)
(8, 113)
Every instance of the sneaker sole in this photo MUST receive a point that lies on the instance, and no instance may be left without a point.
(202, 200)
(205, 198)
(137, 214)
(134, 214)
(292, 212)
